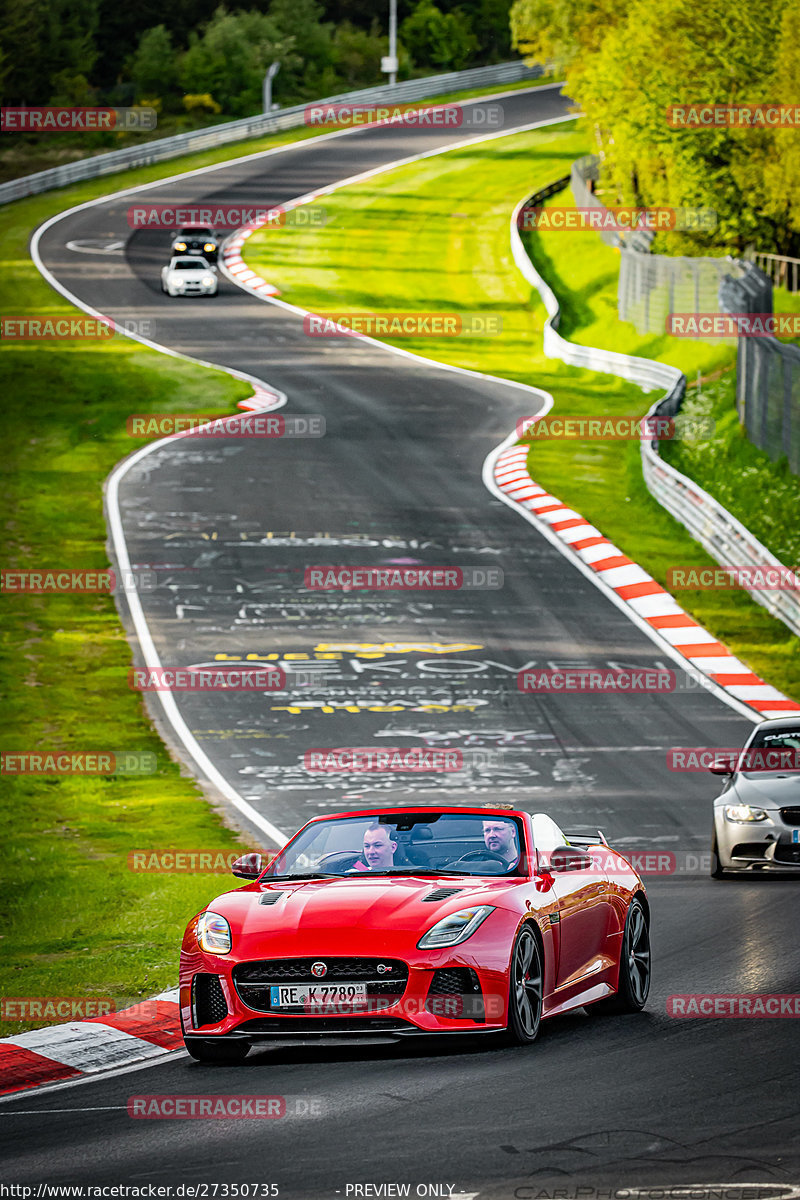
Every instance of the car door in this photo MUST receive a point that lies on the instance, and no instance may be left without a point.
(584, 912)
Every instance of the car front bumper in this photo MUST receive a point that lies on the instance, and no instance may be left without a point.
(757, 846)
(447, 994)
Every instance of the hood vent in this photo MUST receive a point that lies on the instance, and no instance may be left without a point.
(269, 897)
(441, 894)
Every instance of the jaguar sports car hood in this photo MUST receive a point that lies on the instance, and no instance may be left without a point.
(766, 787)
(315, 907)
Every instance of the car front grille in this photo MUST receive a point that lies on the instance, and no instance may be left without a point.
(253, 980)
(208, 1000)
(790, 816)
(788, 853)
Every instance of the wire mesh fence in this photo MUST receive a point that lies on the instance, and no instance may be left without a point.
(767, 374)
(653, 286)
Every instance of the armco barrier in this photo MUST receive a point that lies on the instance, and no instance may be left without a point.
(256, 126)
(717, 530)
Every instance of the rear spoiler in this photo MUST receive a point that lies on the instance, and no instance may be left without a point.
(586, 839)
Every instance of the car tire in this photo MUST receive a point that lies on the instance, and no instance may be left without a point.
(717, 869)
(634, 965)
(525, 989)
(217, 1050)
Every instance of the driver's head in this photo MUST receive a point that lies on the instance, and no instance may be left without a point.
(378, 848)
(500, 837)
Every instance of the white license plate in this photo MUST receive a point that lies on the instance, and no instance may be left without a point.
(796, 835)
(315, 995)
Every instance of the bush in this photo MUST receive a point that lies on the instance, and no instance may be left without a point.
(204, 103)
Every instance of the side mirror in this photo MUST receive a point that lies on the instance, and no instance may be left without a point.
(249, 866)
(721, 766)
(569, 858)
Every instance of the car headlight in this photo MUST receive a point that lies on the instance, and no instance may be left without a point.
(744, 812)
(180, 245)
(455, 928)
(210, 246)
(207, 280)
(213, 933)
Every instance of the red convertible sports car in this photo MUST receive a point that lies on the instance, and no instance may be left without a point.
(378, 925)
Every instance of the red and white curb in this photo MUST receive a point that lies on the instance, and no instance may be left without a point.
(234, 266)
(262, 400)
(638, 591)
(60, 1052)
(238, 270)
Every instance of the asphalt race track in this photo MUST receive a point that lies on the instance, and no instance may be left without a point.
(229, 526)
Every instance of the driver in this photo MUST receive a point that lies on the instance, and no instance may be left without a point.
(501, 838)
(379, 850)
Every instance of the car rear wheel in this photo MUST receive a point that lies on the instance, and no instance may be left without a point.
(213, 1050)
(525, 990)
(634, 966)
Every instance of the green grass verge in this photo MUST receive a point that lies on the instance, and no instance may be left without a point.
(451, 214)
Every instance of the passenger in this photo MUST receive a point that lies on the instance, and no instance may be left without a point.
(379, 850)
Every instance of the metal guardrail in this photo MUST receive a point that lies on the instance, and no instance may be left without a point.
(725, 538)
(720, 533)
(644, 371)
(250, 127)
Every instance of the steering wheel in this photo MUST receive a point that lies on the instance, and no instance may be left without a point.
(339, 859)
(476, 854)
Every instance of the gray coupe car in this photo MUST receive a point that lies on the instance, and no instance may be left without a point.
(757, 814)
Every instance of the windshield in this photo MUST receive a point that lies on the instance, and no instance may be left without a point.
(184, 233)
(773, 750)
(188, 264)
(404, 843)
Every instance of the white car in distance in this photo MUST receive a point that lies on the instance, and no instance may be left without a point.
(189, 276)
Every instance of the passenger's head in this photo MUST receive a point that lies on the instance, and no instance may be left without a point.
(378, 847)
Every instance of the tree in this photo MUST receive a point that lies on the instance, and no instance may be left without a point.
(437, 39)
(312, 38)
(627, 70)
(153, 67)
(43, 38)
(357, 54)
(229, 59)
(782, 166)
